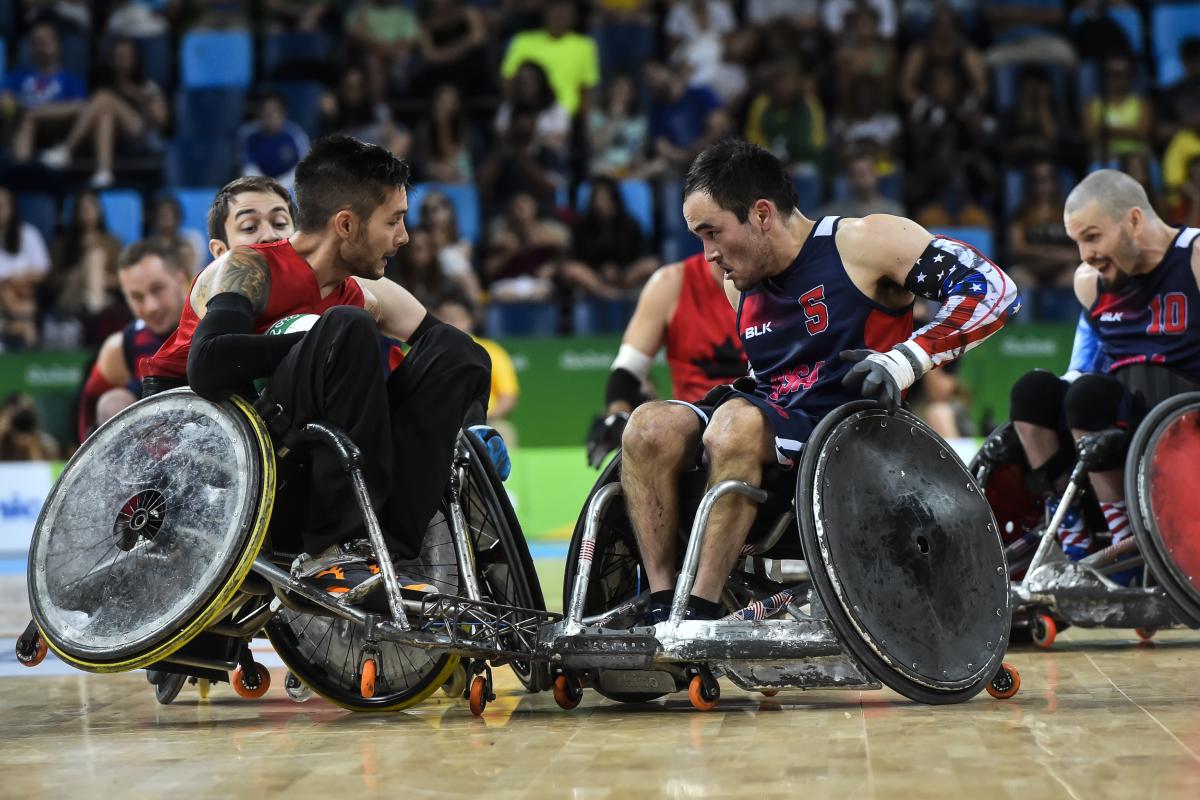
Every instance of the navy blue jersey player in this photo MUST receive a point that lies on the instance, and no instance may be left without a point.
(825, 317)
(1137, 343)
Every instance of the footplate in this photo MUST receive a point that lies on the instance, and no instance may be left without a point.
(603, 650)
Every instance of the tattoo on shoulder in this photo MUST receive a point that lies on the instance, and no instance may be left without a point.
(245, 272)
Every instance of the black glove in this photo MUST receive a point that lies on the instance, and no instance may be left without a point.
(871, 378)
(1103, 450)
(604, 436)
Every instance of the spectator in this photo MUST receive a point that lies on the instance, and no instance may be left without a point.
(837, 15)
(1042, 253)
(864, 197)
(1119, 120)
(867, 125)
(1033, 128)
(940, 400)
(1183, 147)
(948, 140)
(696, 30)
(23, 263)
(618, 131)
(1185, 209)
(453, 47)
(383, 35)
(128, 110)
(223, 14)
(186, 247)
(529, 91)
(863, 52)
(135, 19)
(1095, 35)
(272, 145)
(954, 206)
(351, 111)
(21, 434)
(945, 44)
(788, 119)
(525, 250)
(569, 59)
(608, 255)
(1180, 102)
(1141, 167)
(66, 15)
(415, 267)
(43, 99)
(683, 119)
(517, 164)
(301, 15)
(455, 309)
(1027, 30)
(444, 139)
(83, 279)
(783, 29)
(454, 253)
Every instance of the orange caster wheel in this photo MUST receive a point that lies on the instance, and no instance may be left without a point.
(366, 681)
(479, 695)
(769, 692)
(1006, 682)
(260, 687)
(567, 692)
(37, 656)
(1044, 631)
(703, 694)
(1145, 634)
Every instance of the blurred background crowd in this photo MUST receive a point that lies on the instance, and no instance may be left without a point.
(548, 138)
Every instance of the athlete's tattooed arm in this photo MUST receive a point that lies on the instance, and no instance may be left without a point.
(242, 271)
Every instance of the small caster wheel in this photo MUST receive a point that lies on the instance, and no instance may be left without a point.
(704, 694)
(204, 688)
(296, 689)
(1044, 630)
(769, 692)
(1005, 683)
(456, 685)
(251, 686)
(367, 673)
(168, 686)
(568, 691)
(478, 698)
(31, 646)
(1145, 634)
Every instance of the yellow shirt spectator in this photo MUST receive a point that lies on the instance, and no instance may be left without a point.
(505, 388)
(570, 61)
(1184, 146)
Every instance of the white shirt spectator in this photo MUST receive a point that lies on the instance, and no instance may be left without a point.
(31, 258)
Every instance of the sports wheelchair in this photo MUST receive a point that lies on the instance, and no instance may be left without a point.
(1050, 591)
(897, 578)
(156, 549)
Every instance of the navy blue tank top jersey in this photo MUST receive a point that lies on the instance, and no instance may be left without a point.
(1155, 318)
(794, 324)
(138, 342)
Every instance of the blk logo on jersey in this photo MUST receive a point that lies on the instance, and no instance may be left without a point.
(800, 379)
(758, 330)
(1112, 316)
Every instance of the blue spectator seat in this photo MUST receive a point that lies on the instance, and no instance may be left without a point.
(594, 316)
(1014, 188)
(1171, 23)
(638, 197)
(215, 113)
(200, 161)
(303, 101)
(890, 186)
(809, 196)
(677, 241)
(521, 319)
(464, 197)
(195, 203)
(1006, 77)
(283, 49)
(979, 238)
(624, 48)
(1129, 19)
(156, 59)
(211, 59)
(40, 211)
(123, 213)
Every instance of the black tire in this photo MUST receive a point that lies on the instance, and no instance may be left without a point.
(168, 686)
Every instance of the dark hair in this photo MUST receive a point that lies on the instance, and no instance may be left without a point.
(737, 174)
(136, 251)
(139, 71)
(455, 233)
(219, 209)
(341, 172)
(72, 237)
(12, 233)
(545, 92)
(1189, 48)
(603, 182)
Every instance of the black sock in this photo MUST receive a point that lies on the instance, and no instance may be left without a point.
(662, 598)
(704, 609)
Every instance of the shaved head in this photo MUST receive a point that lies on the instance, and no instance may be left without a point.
(1114, 192)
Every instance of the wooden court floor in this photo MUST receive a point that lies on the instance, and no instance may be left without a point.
(1097, 717)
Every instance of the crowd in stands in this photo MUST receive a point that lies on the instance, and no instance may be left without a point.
(548, 138)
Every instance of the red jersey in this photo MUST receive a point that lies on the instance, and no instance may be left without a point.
(703, 349)
(294, 290)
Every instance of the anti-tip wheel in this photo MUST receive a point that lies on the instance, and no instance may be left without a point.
(479, 695)
(368, 672)
(1006, 682)
(567, 692)
(1145, 634)
(250, 693)
(704, 694)
(457, 683)
(1044, 631)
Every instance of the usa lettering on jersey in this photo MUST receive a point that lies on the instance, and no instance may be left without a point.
(800, 379)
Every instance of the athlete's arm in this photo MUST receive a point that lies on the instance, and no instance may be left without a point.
(399, 313)
(1086, 279)
(977, 297)
(1085, 350)
(111, 361)
(109, 372)
(226, 355)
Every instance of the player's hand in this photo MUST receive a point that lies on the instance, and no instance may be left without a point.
(871, 378)
(497, 450)
(604, 436)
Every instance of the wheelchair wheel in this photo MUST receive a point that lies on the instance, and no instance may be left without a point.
(904, 553)
(324, 652)
(502, 557)
(151, 530)
(1164, 508)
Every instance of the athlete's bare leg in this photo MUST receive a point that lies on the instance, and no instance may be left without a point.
(738, 442)
(1040, 443)
(1109, 485)
(658, 445)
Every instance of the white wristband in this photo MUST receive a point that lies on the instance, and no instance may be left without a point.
(634, 361)
(897, 365)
